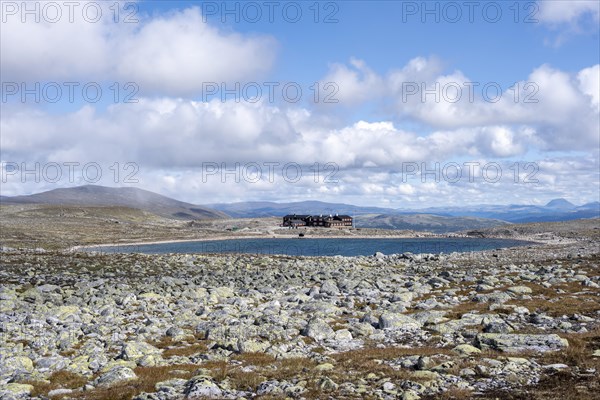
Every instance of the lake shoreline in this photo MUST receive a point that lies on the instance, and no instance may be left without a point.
(258, 236)
(99, 247)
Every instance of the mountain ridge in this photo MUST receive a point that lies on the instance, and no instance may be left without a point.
(95, 195)
(473, 217)
(554, 210)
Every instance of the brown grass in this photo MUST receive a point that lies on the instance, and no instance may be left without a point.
(58, 380)
(566, 304)
(579, 352)
(266, 368)
(387, 353)
(459, 310)
(162, 343)
(359, 363)
(256, 359)
(219, 370)
(455, 394)
(148, 377)
(558, 386)
(185, 351)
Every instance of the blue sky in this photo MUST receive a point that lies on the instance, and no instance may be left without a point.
(374, 54)
(503, 51)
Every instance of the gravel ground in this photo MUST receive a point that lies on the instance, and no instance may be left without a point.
(517, 323)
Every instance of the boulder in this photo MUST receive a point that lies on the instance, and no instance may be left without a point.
(519, 290)
(318, 330)
(512, 343)
(389, 320)
(466, 350)
(202, 387)
(116, 375)
(134, 351)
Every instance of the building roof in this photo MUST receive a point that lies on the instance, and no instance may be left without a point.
(317, 217)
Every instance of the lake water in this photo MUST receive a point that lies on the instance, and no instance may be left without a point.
(321, 247)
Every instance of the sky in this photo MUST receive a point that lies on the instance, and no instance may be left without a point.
(398, 104)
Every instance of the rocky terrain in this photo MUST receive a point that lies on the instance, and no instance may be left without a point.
(519, 323)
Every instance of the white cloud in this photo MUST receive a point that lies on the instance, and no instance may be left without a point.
(171, 55)
(170, 138)
(356, 82)
(589, 83)
(567, 11)
(186, 52)
(167, 133)
(559, 110)
(501, 141)
(568, 18)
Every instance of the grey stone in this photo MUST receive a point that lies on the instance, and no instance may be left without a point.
(201, 386)
(520, 342)
(116, 375)
(330, 288)
(318, 330)
(466, 350)
(398, 321)
(519, 290)
(134, 351)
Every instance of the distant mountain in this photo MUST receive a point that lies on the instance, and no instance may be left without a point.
(594, 205)
(92, 195)
(437, 219)
(425, 222)
(555, 210)
(560, 204)
(270, 209)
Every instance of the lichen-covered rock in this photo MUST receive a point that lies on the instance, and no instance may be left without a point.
(15, 391)
(330, 288)
(81, 313)
(54, 363)
(134, 351)
(66, 313)
(17, 364)
(466, 350)
(519, 290)
(202, 386)
(398, 321)
(318, 330)
(116, 375)
(512, 343)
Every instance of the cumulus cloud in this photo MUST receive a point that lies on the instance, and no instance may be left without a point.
(164, 132)
(174, 133)
(172, 54)
(567, 18)
(186, 52)
(589, 83)
(356, 82)
(567, 11)
(171, 137)
(559, 109)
